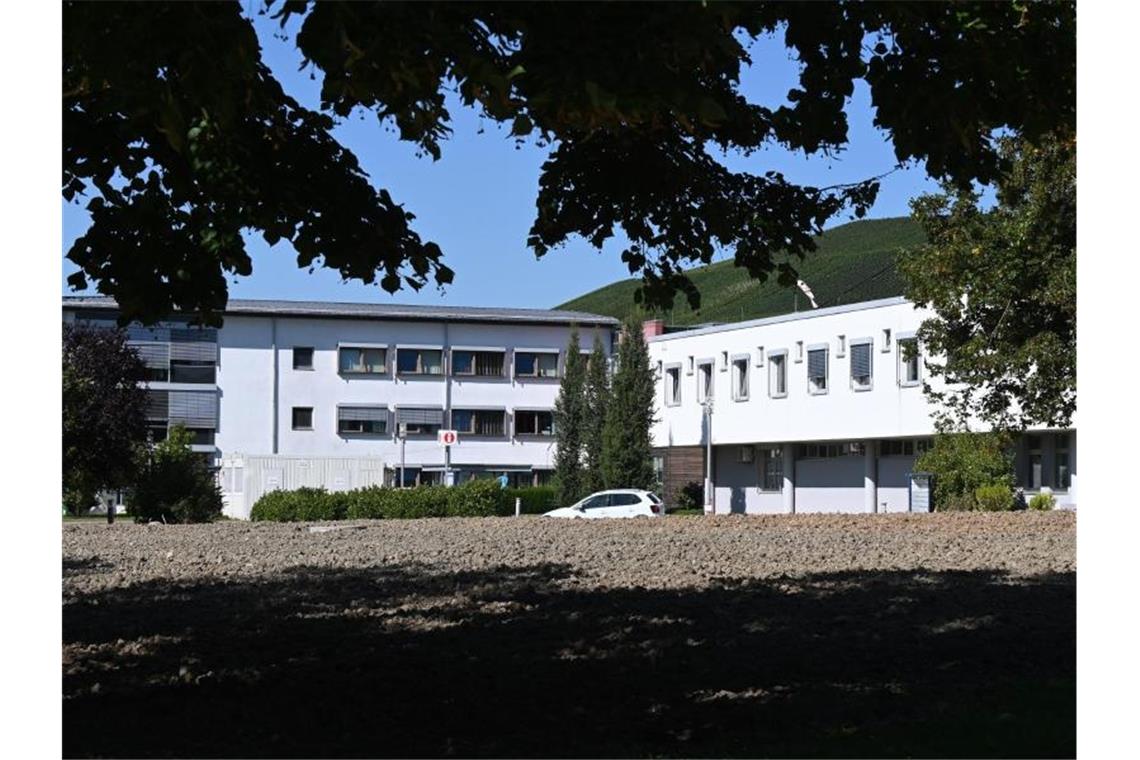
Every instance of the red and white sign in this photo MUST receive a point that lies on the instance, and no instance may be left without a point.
(448, 437)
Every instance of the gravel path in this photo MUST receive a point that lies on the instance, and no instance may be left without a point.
(885, 635)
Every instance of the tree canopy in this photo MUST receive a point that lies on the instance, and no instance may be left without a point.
(181, 139)
(104, 411)
(1002, 283)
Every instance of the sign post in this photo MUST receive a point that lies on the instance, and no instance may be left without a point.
(446, 439)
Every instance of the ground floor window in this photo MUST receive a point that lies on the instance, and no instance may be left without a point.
(772, 469)
(1062, 470)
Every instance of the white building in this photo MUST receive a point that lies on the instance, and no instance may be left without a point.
(817, 411)
(289, 394)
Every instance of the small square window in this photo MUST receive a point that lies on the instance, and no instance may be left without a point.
(745, 454)
(302, 418)
(302, 357)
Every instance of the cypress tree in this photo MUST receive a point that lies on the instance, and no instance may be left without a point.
(626, 449)
(597, 403)
(569, 413)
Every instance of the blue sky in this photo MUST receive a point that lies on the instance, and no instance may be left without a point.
(477, 201)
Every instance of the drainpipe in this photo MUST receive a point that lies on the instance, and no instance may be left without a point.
(445, 361)
(273, 340)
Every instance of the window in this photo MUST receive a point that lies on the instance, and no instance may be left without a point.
(745, 454)
(419, 361)
(302, 418)
(420, 420)
(861, 367)
(778, 374)
(740, 379)
(534, 422)
(363, 361)
(673, 385)
(830, 450)
(477, 363)
(886, 340)
(817, 371)
(903, 447)
(759, 356)
(1033, 479)
(723, 361)
(302, 357)
(201, 436)
(1062, 471)
(192, 372)
(704, 381)
(157, 374)
(362, 420)
(536, 364)
(841, 347)
(772, 469)
(799, 351)
(908, 362)
(481, 422)
(156, 431)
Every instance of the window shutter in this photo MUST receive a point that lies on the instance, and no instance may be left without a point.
(197, 351)
(817, 364)
(861, 360)
(152, 354)
(362, 413)
(194, 408)
(419, 416)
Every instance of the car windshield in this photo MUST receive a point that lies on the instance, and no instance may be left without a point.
(654, 498)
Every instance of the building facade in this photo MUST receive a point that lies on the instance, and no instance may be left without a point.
(817, 411)
(291, 394)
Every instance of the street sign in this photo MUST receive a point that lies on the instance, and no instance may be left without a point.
(448, 437)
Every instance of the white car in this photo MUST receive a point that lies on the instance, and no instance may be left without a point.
(619, 502)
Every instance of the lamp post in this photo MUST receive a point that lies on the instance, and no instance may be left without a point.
(710, 506)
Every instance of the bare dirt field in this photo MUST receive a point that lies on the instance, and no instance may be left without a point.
(876, 635)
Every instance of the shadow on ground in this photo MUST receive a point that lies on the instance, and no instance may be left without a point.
(523, 661)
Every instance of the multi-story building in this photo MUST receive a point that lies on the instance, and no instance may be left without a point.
(817, 411)
(288, 394)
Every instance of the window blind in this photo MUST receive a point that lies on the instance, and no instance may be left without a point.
(861, 361)
(194, 408)
(817, 364)
(419, 416)
(363, 413)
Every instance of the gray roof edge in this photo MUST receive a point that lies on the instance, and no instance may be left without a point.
(781, 318)
(349, 310)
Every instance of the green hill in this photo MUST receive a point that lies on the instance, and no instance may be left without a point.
(854, 262)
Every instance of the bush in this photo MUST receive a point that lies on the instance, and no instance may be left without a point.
(1043, 502)
(964, 462)
(535, 499)
(175, 484)
(995, 498)
(476, 498)
(689, 496)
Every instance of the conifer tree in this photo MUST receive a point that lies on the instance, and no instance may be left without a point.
(626, 448)
(569, 412)
(597, 404)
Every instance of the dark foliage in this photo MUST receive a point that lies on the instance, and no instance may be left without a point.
(597, 406)
(173, 98)
(570, 426)
(962, 463)
(103, 412)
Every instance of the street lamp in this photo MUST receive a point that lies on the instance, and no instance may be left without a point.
(707, 405)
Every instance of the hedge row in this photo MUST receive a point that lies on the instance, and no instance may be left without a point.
(476, 498)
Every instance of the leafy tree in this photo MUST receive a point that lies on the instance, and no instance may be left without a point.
(597, 401)
(183, 139)
(627, 457)
(104, 412)
(962, 463)
(569, 426)
(1002, 285)
(175, 485)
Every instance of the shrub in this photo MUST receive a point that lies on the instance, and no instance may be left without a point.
(959, 502)
(175, 484)
(535, 499)
(994, 498)
(1043, 502)
(689, 496)
(964, 462)
(476, 498)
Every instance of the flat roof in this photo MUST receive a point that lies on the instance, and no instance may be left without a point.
(780, 318)
(341, 310)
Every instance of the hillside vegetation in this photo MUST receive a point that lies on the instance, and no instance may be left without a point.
(854, 262)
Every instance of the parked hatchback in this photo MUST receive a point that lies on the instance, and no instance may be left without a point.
(619, 502)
